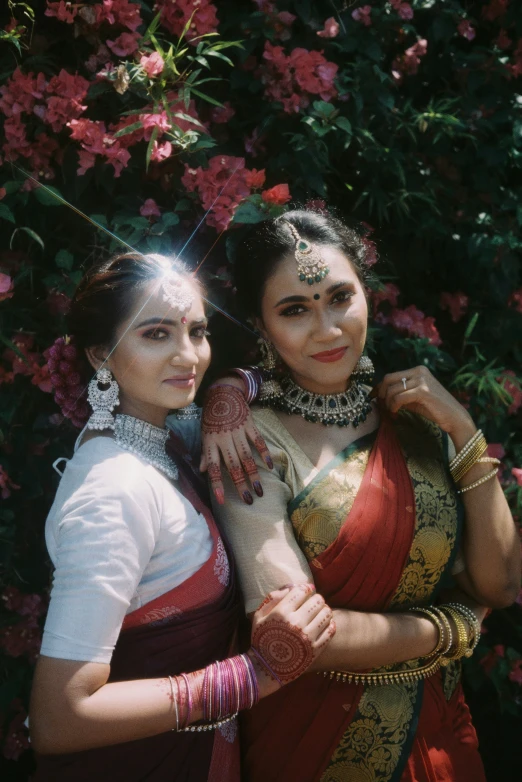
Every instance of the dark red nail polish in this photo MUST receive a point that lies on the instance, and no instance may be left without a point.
(269, 463)
(248, 498)
(258, 488)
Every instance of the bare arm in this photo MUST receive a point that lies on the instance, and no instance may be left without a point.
(74, 707)
(491, 548)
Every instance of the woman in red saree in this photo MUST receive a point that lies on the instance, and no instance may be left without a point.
(361, 501)
(138, 677)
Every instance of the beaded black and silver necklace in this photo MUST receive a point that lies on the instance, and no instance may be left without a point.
(349, 408)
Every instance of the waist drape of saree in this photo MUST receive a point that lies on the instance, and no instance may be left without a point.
(395, 546)
(183, 630)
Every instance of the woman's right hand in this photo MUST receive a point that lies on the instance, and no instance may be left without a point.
(290, 629)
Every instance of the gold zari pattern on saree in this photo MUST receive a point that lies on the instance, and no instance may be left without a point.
(322, 512)
(371, 748)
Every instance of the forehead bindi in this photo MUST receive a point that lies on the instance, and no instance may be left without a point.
(285, 280)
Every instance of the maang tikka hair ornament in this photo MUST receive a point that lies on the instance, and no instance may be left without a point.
(177, 292)
(102, 400)
(310, 265)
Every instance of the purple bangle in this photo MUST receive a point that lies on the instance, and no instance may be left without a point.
(266, 665)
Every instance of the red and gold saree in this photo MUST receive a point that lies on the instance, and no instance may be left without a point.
(396, 539)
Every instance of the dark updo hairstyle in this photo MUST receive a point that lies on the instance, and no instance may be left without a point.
(109, 290)
(269, 242)
(103, 300)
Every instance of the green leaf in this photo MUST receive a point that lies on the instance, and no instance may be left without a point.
(29, 232)
(153, 137)
(206, 97)
(64, 260)
(129, 129)
(47, 198)
(248, 213)
(471, 325)
(6, 213)
(344, 124)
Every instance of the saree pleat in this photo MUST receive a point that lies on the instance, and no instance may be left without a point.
(392, 551)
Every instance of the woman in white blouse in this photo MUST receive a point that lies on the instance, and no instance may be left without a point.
(144, 599)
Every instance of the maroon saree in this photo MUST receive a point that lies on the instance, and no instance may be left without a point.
(397, 542)
(183, 630)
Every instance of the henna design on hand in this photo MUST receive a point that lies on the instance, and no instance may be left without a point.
(224, 411)
(284, 649)
(214, 472)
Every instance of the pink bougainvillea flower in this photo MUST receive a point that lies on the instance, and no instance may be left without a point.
(494, 10)
(404, 10)
(161, 151)
(412, 322)
(363, 15)
(390, 293)
(330, 29)
(516, 472)
(152, 64)
(316, 205)
(496, 450)
(409, 62)
(174, 17)
(292, 79)
(150, 209)
(6, 484)
(371, 257)
(221, 187)
(3, 193)
(455, 303)
(6, 287)
(222, 114)
(64, 12)
(125, 44)
(466, 29)
(119, 12)
(255, 179)
(515, 300)
(279, 195)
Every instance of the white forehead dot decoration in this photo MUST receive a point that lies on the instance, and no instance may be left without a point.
(177, 293)
(310, 265)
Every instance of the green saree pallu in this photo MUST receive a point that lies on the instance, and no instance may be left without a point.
(391, 501)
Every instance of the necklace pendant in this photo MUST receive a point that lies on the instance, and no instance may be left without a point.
(350, 407)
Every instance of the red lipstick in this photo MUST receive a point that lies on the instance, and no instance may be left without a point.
(329, 356)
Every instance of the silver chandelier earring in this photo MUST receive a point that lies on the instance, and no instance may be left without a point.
(103, 397)
(364, 371)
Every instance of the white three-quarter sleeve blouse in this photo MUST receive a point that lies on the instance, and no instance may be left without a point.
(119, 534)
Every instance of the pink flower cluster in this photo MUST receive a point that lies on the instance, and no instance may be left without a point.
(455, 303)
(175, 15)
(54, 102)
(30, 365)
(412, 322)
(390, 292)
(292, 79)
(6, 484)
(280, 21)
(363, 15)
(6, 286)
(69, 390)
(330, 29)
(408, 63)
(24, 637)
(95, 140)
(404, 10)
(466, 29)
(516, 472)
(221, 187)
(116, 12)
(278, 195)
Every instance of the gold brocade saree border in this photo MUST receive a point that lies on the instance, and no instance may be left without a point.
(376, 745)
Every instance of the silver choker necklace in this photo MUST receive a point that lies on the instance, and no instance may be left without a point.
(348, 408)
(145, 440)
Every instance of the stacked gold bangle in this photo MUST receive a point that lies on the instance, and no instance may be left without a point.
(472, 454)
(442, 655)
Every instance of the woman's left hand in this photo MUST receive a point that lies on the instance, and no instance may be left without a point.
(227, 429)
(418, 391)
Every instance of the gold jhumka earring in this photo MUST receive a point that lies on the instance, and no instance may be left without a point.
(270, 388)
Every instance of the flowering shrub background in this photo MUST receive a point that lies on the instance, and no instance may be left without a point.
(403, 116)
